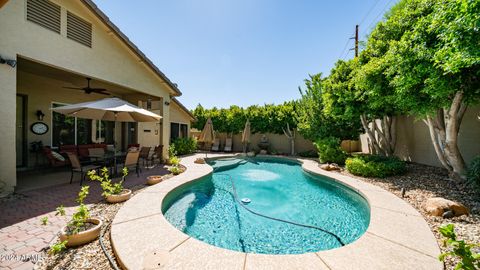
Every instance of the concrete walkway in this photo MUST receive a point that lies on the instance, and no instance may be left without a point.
(398, 237)
(22, 237)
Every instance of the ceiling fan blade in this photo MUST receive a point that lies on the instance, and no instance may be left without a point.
(76, 88)
(97, 89)
(101, 93)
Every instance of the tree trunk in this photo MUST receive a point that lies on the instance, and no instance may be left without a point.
(382, 139)
(444, 128)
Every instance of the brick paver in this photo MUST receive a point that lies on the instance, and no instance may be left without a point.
(22, 237)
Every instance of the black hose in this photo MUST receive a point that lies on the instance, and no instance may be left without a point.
(277, 219)
(110, 259)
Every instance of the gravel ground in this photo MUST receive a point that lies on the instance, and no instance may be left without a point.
(90, 256)
(422, 182)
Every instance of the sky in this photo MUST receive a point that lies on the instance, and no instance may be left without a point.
(243, 52)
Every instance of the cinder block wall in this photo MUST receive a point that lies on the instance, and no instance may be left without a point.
(414, 144)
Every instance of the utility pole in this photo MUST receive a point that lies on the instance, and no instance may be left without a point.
(356, 41)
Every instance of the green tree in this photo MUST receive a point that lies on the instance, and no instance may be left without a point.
(316, 118)
(434, 68)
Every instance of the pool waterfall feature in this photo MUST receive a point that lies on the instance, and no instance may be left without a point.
(291, 211)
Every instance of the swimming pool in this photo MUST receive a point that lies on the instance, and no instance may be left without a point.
(326, 214)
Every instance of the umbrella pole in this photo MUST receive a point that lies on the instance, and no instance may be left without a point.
(115, 143)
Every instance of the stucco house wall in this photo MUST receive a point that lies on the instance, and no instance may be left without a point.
(112, 59)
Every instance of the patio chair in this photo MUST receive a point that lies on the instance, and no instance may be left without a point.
(54, 159)
(144, 154)
(228, 145)
(131, 161)
(216, 145)
(96, 154)
(157, 155)
(79, 168)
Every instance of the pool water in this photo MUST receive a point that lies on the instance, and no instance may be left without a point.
(207, 210)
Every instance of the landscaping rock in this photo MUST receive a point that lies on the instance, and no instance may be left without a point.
(448, 214)
(438, 206)
(200, 161)
(330, 167)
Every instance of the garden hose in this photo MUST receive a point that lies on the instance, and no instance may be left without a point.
(110, 259)
(277, 219)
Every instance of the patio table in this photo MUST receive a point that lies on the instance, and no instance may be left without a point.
(108, 157)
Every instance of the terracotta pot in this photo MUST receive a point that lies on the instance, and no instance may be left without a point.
(123, 196)
(84, 236)
(154, 179)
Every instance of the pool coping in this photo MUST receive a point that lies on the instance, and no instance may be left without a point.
(398, 237)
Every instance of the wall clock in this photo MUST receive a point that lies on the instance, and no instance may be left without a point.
(39, 128)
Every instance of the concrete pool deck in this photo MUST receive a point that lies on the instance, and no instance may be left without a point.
(397, 238)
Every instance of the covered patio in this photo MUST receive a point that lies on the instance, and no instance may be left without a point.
(41, 87)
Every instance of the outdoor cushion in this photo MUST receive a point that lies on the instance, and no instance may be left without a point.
(57, 156)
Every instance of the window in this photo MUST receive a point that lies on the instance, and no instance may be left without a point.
(178, 130)
(63, 128)
(73, 130)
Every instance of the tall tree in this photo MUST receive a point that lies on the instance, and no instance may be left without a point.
(434, 69)
(319, 114)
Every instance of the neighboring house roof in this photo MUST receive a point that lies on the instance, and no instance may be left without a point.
(104, 18)
(184, 108)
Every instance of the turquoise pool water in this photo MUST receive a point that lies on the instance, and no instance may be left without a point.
(207, 210)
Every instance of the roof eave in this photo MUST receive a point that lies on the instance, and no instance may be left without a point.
(104, 18)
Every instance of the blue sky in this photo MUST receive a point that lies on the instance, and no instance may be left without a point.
(243, 52)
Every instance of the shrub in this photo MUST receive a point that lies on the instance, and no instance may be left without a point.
(468, 259)
(171, 150)
(174, 161)
(175, 170)
(184, 146)
(329, 151)
(375, 166)
(108, 187)
(473, 173)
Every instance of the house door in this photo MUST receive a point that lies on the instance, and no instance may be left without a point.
(20, 131)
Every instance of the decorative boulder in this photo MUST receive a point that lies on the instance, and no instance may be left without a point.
(251, 154)
(200, 161)
(438, 206)
(330, 167)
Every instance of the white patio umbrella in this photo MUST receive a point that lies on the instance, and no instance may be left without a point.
(108, 109)
(246, 136)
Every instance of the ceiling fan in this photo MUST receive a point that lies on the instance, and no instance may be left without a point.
(89, 90)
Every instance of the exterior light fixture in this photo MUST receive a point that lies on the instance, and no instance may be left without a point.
(12, 63)
(40, 115)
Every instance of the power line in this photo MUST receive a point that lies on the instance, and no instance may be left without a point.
(378, 15)
(369, 11)
(344, 49)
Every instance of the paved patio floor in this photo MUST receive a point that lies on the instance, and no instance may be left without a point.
(22, 236)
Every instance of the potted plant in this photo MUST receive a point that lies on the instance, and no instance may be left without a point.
(175, 170)
(171, 154)
(112, 192)
(82, 228)
(154, 179)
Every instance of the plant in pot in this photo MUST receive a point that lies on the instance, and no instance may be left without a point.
(81, 229)
(112, 192)
(175, 168)
(172, 153)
